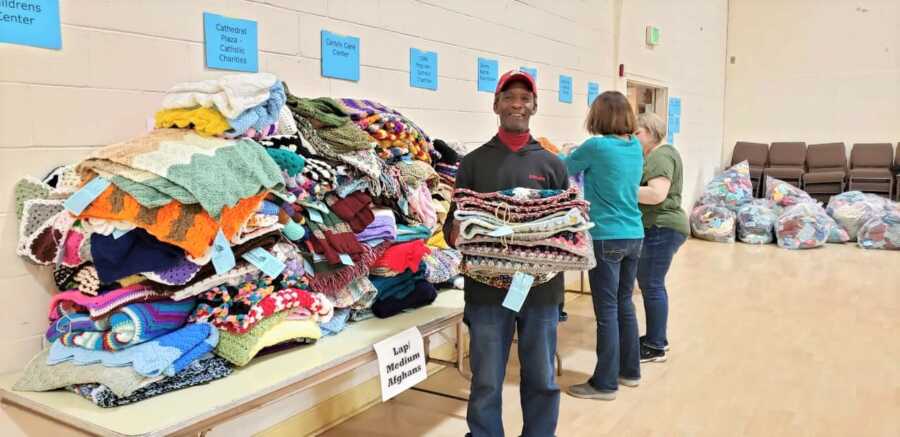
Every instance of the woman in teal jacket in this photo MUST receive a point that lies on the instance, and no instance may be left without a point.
(612, 161)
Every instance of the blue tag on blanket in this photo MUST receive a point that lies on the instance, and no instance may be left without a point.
(315, 215)
(222, 256)
(90, 191)
(518, 291)
(264, 260)
(502, 231)
(346, 259)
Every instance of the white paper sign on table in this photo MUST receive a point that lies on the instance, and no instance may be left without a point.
(401, 362)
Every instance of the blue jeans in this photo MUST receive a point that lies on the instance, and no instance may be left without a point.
(660, 246)
(612, 284)
(491, 330)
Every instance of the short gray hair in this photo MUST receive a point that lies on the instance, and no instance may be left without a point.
(654, 125)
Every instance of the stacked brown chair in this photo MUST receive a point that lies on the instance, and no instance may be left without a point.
(787, 161)
(758, 156)
(826, 170)
(870, 168)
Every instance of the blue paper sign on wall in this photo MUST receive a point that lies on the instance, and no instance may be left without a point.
(675, 114)
(675, 123)
(488, 74)
(340, 56)
(675, 103)
(31, 23)
(565, 89)
(531, 72)
(674, 119)
(593, 90)
(230, 43)
(423, 68)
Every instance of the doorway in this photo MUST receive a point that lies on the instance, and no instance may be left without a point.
(645, 97)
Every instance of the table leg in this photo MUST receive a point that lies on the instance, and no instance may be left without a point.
(461, 351)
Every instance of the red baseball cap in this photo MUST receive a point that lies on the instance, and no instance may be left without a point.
(515, 75)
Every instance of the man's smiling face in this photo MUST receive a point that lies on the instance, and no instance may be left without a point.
(515, 105)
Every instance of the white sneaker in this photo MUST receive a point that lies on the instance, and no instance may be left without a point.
(628, 382)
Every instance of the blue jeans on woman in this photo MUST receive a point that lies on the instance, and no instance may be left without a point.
(491, 329)
(612, 284)
(660, 246)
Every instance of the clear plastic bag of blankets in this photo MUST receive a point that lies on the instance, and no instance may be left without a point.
(713, 223)
(785, 194)
(882, 231)
(853, 209)
(756, 222)
(732, 188)
(803, 226)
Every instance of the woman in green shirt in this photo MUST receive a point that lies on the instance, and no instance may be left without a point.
(665, 230)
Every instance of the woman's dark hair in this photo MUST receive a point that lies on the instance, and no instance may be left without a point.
(611, 114)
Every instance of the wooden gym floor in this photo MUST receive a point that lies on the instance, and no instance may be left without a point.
(765, 342)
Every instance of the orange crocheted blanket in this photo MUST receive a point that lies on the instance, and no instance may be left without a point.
(186, 226)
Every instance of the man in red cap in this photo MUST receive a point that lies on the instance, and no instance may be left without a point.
(511, 159)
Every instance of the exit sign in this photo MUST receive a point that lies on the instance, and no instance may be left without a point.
(653, 35)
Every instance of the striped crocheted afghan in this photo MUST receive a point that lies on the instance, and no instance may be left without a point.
(520, 205)
(74, 301)
(127, 326)
(166, 355)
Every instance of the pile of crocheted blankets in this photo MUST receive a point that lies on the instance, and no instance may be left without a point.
(249, 222)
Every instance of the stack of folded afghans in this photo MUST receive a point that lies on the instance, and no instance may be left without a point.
(251, 221)
(538, 232)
